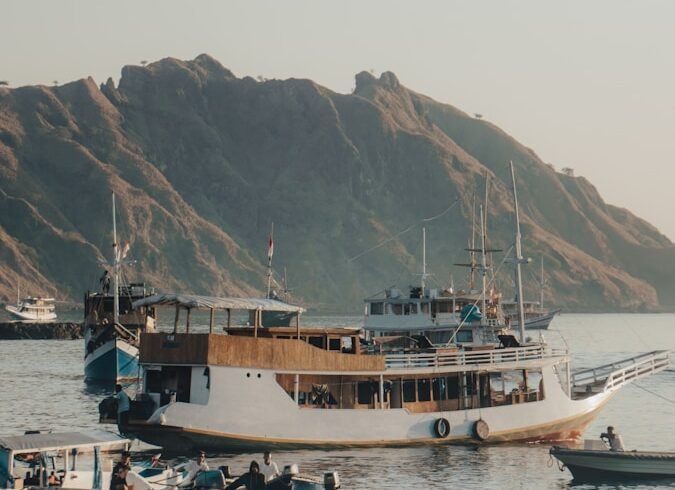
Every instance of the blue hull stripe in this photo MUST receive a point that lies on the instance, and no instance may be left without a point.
(112, 366)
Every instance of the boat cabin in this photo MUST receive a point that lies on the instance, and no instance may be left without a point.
(431, 313)
(99, 307)
(72, 459)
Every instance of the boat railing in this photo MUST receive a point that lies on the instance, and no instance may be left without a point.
(617, 374)
(464, 357)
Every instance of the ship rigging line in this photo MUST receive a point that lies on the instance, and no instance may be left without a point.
(654, 393)
(391, 238)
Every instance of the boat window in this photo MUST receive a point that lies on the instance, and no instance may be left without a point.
(410, 309)
(464, 335)
(153, 381)
(316, 342)
(535, 383)
(423, 390)
(396, 308)
(409, 390)
(471, 388)
(175, 379)
(513, 381)
(365, 392)
(283, 337)
(443, 307)
(425, 308)
(334, 344)
(439, 388)
(453, 387)
(347, 345)
(377, 308)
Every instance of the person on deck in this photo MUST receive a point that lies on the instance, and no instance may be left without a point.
(614, 440)
(123, 407)
(253, 480)
(105, 282)
(269, 468)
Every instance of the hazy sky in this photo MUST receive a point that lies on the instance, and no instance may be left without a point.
(586, 84)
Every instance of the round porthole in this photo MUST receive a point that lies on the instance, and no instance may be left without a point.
(259, 375)
(248, 375)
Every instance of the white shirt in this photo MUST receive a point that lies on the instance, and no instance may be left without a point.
(194, 467)
(134, 480)
(269, 470)
(122, 402)
(616, 444)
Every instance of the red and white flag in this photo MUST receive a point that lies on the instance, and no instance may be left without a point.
(270, 248)
(125, 250)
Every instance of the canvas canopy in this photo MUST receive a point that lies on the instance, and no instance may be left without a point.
(66, 440)
(210, 302)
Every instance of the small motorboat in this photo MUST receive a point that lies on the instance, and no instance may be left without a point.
(597, 462)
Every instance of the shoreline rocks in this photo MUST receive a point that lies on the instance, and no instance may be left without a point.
(41, 331)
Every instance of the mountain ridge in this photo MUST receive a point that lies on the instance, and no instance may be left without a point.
(203, 162)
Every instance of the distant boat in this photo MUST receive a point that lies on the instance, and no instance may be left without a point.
(536, 316)
(33, 308)
(112, 328)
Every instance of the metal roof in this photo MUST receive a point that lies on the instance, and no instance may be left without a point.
(210, 302)
(64, 440)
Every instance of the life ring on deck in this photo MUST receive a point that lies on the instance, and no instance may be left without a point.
(481, 430)
(442, 428)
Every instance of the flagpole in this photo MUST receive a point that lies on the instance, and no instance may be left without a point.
(116, 266)
(270, 253)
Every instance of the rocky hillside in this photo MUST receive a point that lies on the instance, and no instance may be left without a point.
(202, 163)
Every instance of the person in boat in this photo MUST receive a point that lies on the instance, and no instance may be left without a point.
(125, 460)
(253, 480)
(269, 468)
(53, 481)
(198, 466)
(123, 407)
(118, 481)
(104, 281)
(614, 440)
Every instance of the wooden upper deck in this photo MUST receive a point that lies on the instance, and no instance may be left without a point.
(253, 352)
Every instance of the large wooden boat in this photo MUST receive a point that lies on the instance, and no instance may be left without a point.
(255, 387)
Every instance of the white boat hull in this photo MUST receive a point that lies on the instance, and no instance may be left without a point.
(541, 322)
(38, 316)
(245, 421)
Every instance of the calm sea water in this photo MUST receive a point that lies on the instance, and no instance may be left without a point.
(42, 387)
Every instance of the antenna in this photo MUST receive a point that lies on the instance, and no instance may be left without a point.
(116, 266)
(270, 253)
(424, 258)
(483, 258)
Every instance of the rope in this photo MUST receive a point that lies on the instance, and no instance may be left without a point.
(654, 393)
(393, 237)
(480, 299)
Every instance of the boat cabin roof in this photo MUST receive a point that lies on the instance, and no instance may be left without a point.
(293, 331)
(210, 302)
(31, 443)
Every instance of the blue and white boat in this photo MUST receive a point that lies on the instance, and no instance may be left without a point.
(112, 327)
(111, 347)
